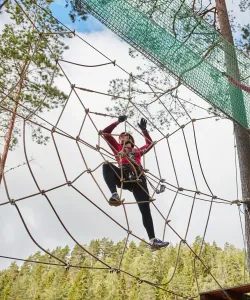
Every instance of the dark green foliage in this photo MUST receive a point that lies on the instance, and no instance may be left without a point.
(74, 14)
(22, 47)
(37, 281)
(244, 4)
(244, 42)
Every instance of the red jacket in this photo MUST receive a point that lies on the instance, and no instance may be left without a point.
(116, 147)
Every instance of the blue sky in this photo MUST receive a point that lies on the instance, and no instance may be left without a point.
(92, 25)
(61, 13)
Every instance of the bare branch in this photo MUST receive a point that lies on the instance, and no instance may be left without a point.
(18, 166)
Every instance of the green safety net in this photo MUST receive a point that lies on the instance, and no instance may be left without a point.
(171, 35)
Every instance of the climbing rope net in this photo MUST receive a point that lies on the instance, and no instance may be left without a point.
(154, 179)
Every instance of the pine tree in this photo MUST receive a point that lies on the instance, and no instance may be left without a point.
(81, 286)
(28, 70)
(9, 278)
(44, 282)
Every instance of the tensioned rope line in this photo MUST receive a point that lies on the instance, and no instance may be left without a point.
(79, 142)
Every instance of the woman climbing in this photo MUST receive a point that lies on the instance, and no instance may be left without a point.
(129, 161)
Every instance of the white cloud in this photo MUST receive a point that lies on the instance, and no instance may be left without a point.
(4, 20)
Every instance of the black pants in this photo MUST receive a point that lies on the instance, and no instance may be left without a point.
(113, 181)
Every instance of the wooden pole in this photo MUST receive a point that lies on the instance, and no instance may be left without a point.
(242, 138)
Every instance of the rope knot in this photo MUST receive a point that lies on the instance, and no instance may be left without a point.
(12, 202)
(114, 269)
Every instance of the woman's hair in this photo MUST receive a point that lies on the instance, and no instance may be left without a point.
(131, 139)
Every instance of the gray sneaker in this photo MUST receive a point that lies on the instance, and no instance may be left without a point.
(157, 244)
(115, 200)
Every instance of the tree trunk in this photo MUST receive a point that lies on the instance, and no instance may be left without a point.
(242, 138)
(12, 123)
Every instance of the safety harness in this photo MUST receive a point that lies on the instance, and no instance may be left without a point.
(131, 171)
